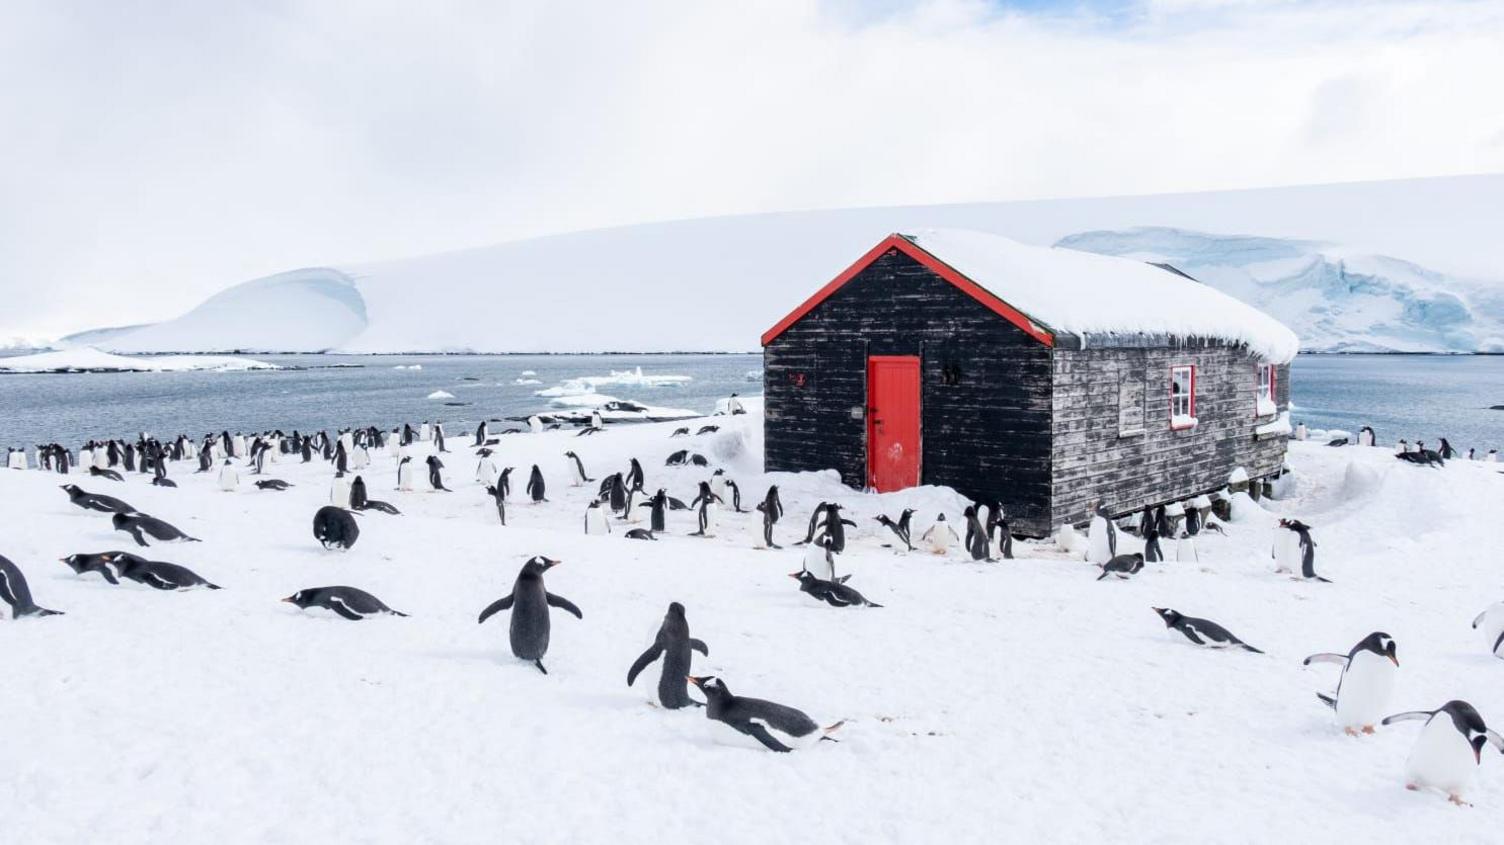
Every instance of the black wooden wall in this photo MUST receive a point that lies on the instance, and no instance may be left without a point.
(987, 434)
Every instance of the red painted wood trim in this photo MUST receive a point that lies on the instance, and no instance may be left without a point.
(1191, 405)
(934, 265)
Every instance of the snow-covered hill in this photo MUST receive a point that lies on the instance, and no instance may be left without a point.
(716, 284)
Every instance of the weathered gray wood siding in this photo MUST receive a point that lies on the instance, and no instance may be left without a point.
(1093, 459)
(987, 434)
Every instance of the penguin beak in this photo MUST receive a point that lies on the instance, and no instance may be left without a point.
(1395, 660)
(288, 599)
(692, 679)
(794, 575)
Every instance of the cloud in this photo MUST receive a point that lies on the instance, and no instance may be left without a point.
(149, 158)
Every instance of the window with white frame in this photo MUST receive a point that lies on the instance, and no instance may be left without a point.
(1183, 396)
(1264, 404)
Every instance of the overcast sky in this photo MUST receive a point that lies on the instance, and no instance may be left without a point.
(152, 153)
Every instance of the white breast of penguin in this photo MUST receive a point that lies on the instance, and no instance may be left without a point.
(1442, 758)
(1363, 698)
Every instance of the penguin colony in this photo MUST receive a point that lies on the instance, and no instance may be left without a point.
(1448, 747)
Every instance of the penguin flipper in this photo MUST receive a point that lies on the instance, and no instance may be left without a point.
(1498, 642)
(1495, 739)
(1247, 647)
(700, 646)
(564, 604)
(1190, 634)
(108, 576)
(1408, 716)
(151, 579)
(760, 733)
(1325, 657)
(642, 662)
(1327, 700)
(1479, 620)
(539, 664)
(339, 607)
(495, 607)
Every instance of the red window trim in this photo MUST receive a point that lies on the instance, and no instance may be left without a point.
(1191, 405)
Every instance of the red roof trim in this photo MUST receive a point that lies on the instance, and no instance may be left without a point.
(934, 265)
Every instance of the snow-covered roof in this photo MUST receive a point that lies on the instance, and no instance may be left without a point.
(1083, 293)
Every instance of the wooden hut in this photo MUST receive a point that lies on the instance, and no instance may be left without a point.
(1043, 378)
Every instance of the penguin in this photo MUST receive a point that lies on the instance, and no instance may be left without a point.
(678, 458)
(535, 487)
(15, 458)
(707, 429)
(425, 432)
(1492, 622)
(535, 424)
(1303, 547)
(504, 483)
(1367, 680)
(95, 501)
(341, 458)
(1449, 748)
(358, 497)
(480, 434)
(1492, 456)
(674, 644)
(580, 477)
(1122, 566)
(14, 591)
(435, 477)
(635, 479)
(1445, 450)
(771, 508)
(229, 479)
(1366, 436)
(339, 491)
(706, 500)
(614, 491)
(139, 524)
(1192, 518)
(82, 564)
(1185, 548)
(976, 537)
(405, 474)
(833, 592)
(335, 527)
(938, 538)
(819, 560)
(105, 473)
(680, 432)
(529, 603)
(736, 496)
(640, 534)
(774, 726)
(349, 602)
(273, 484)
(595, 520)
(657, 510)
(900, 528)
(718, 483)
(157, 574)
(1148, 526)
(485, 470)
(501, 502)
(833, 525)
(998, 530)
(1201, 631)
(1102, 536)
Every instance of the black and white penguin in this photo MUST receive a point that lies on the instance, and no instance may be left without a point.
(82, 564)
(535, 486)
(820, 560)
(939, 537)
(771, 508)
(435, 474)
(480, 434)
(95, 501)
(1367, 681)
(976, 537)
(1445, 450)
(229, 478)
(1449, 748)
(359, 498)
(500, 500)
(833, 592)
(1148, 526)
(900, 528)
(339, 490)
(1185, 548)
(613, 492)
(349, 602)
(1491, 622)
(105, 473)
(674, 644)
(273, 484)
(999, 535)
(14, 591)
(335, 527)
(1296, 549)
(580, 477)
(1122, 566)
(15, 458)
(595, 519)
(405, 478)
(658, 510)
(157, 574)
(635, 478)
(140, 526)
(775, 727)
(1201, 631)
(529, 603)
(706, 501)
(504, 483)
(1102, 536)
(1366, 436)
(640, 534)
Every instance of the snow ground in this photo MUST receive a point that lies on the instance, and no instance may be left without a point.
(1019, 700)
(87, 358)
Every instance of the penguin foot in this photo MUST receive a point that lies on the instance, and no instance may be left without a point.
(1457, 799)
(1368, 729)
(1412, 787)
(1352, 732)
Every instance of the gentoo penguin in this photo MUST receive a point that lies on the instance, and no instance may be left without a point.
(774, 726)
(529, 603)
(707, 429)
(535, 424)
(771, 508)
(157, 574)
(718, 484)
(341, 458)
(535, 486)
(480, 434)
(678, 458)
(833, 592)
(706, 500)
(1365, 436)
(1298, 550)
(976, 537)
(426, 432)
(998, 531)
(335, 527)
(1492, 456)
(1185, 548)
(680, 432)
(1148, 526)
(139, 524)
(640, 534)
(635, 478)
(1122, 566)
(580, 477)
(485, 471)
(1102, 536)
(95, 501)
(938, 538)
(15, 458)
(83, 564)
(1367, 681)
(658, 510)
(105, 473)
(674, 644)
(736, 496)
(15, 592)
(819, 560)
(595, 519)
(1492, 622)
(501, 502)
(504, 483)
(339, 491)
(900, 528)
(613, 491)
(275, 484)
(359, 499)
(229, 479)
(435, 476)
(1449, 748)
(405, 474)
(349, 602)
(1445, 450)
(1201, 631)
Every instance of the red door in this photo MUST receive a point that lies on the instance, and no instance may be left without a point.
(892, 422)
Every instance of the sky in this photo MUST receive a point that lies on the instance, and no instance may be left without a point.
(154, 153)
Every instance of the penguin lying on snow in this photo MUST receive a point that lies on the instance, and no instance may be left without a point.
(95, 501)
(349, 602)
(1122, 566)
(674, 644)
(529, 603)
(834, 593)
(139, 524)
(157, 574)
(82, 564)
(14, 591)
(1367, 681)
(1201, 631)
(1449, 748)
(335, 528)
(274, 484)
(105, 473)
(776, 727)
(640, 534)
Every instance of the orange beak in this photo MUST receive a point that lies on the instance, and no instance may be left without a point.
(692, 679)
(794, 575)
(1395, 660)
(288, 599)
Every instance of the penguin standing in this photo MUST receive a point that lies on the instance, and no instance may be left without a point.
(635, 479)
(229, 478)
(1297, 549)
(501, 502)
(1102, 537)
(485, 471)
(998, 531)
(1449, 748)
(1367, 681)
(595, 519)
(580, 477)
(341, 457)
(658, 511)
(1365, 436)
(819, 560)
(529, 603)
(504, 484)
(938, 538)
(535, 487)
(405, 474)
(771, 508)
(775, 727)
(339, 491)
(1185, 548)
(900, 528)
(480, 434)
(706, 500)
(359, 499)
(435, 477)
(976, 537)
(1148, 525)
(674, 644)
